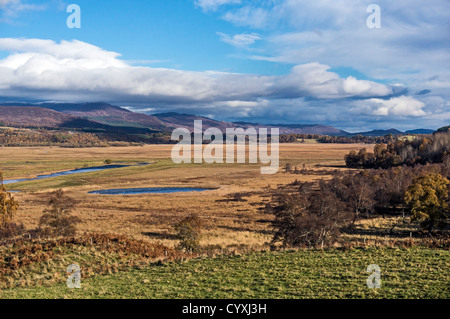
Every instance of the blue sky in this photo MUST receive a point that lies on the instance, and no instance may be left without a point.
(171, 34)
(269, 61)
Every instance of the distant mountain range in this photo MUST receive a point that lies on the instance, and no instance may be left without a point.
(107, 117)
(393, 131)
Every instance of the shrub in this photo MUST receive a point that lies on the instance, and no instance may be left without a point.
(288, 167)
(56, 219)
(8, 205)
(189, 232)
(427, 197)
(11, 230)
(309, 218)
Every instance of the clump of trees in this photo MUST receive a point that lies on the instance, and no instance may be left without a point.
(57, 219)
(362, 139)
(294, 138)
(309, 215)
(42, 137)
(422, 150)
(314, 216)
(189, 232)
(403, 177)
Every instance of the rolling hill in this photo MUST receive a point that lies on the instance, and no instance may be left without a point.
(187, 120)
(110, 118)
(173, 120)
(444, 129)
(107, 114)
(420, 131)
(392, 131)
(33, 116)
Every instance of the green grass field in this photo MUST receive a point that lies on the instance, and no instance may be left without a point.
(332, 273)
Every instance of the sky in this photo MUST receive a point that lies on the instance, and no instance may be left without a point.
(265, 61)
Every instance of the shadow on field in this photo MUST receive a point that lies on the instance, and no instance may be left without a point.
(331, 166)
(159, 235)
(393, 232)
(264, 232)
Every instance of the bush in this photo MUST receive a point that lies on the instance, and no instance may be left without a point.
(8, 205)
(56, 219)
(288, 167)
(427, 197)
(309, 218)
(189, 232)
(11, 230)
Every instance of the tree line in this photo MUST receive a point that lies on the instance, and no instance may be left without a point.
(14, 137)
(18, 137)
(72, 139)
(307, 214)
(355, 139)
(422, 150)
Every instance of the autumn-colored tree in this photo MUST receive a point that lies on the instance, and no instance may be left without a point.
(351, 159)
(8, 205)
(427, 197)
(188, 232)
(308, 217)
(56, 219)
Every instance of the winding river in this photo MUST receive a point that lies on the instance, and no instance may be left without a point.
(74, 171)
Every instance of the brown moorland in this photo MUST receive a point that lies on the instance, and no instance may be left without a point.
(230, 219)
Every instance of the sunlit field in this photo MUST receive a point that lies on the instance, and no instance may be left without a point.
(406, 273)
(151, 216)
(235, 262)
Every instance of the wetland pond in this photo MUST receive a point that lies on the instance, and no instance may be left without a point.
(148, 190)
(71, 172)
(126, 191)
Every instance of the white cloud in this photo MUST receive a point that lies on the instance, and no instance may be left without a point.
(44, 69)
(76, 71)
(411, 48)
(397, 106)
(4, 3)
(11, 8)
(245, 104)
(76, 54)
(239, 40)
(321, 83)
(412, 42)
(253, 17)
(212, 5)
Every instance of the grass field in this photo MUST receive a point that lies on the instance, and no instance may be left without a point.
(405, 273)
